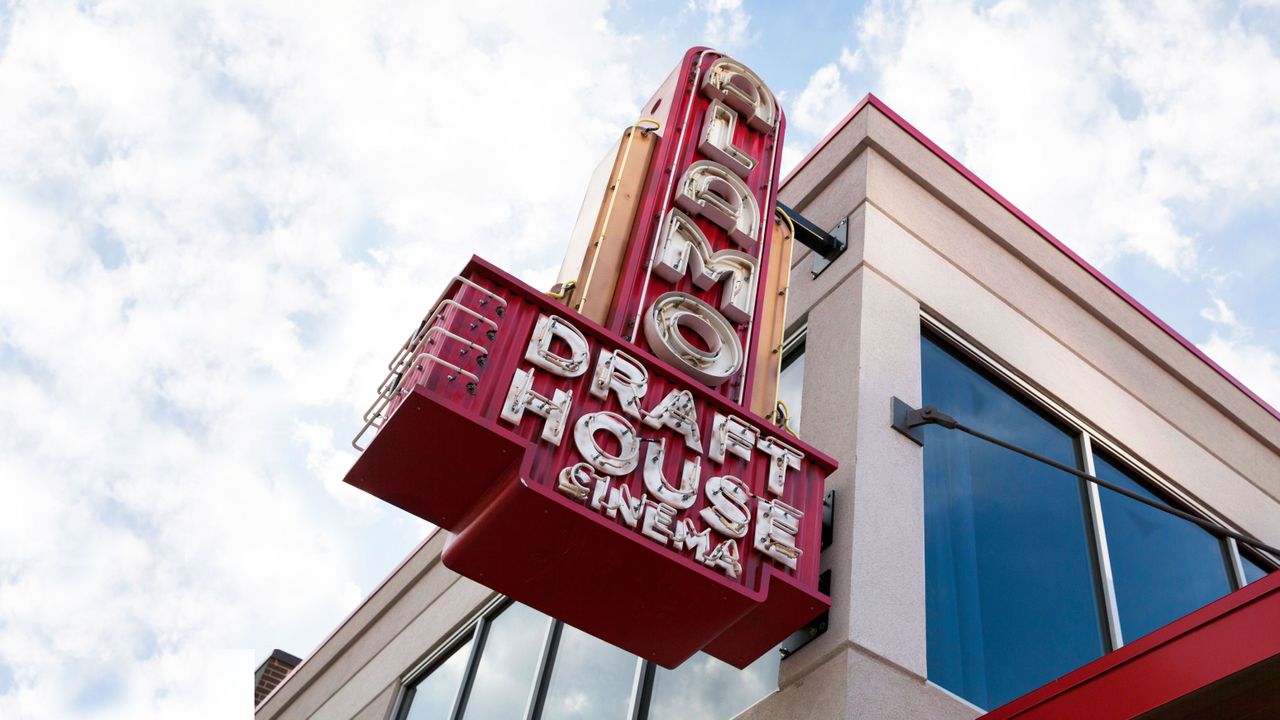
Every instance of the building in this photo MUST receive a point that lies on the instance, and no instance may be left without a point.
(962, 575)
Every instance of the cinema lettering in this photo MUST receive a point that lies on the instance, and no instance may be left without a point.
(608, 447)
(592, 451)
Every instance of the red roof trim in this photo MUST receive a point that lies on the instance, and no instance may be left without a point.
(968, 174)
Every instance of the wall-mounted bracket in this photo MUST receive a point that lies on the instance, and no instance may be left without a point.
(828, 518)
(826, 246)
(840, 234)
(911, 421)
(814, 628)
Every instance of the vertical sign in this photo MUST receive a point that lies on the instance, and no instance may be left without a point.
(610, 474)
(689, 285)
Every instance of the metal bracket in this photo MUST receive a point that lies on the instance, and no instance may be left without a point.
(814, 628)
(828, 518)
(840, 237)
(910, 421)
(826, 246)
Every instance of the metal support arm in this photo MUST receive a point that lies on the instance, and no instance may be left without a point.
(911, 421)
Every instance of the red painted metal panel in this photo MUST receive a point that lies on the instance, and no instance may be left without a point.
(1212, 643)
(445, 455)
(677, 149)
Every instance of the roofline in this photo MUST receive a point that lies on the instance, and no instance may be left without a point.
(956, 165)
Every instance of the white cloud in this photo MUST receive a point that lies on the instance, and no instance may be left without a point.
(1108, 123)
(1255, 365)
(824, 100)
(851, 61)
(1221, 314)
(728, 25)
(219, 221)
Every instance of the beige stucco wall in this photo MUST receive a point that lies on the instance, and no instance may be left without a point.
(923, 239)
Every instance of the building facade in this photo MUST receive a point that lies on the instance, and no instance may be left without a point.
(962, 575)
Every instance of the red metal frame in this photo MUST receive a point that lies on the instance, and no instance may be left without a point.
(445, 456)
(920, 137)
(1212, 643)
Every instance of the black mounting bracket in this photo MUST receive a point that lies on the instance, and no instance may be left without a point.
(910, 421)
(840, 234)
(826, 246)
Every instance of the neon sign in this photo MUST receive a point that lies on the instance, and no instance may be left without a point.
(602, 466)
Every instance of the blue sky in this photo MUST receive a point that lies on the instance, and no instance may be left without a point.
(220, 218)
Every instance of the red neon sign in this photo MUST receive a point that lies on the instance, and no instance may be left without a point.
(613, 478)
(702, 231)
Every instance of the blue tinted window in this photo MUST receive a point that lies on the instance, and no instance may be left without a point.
(1010, 589)
(1253, 571)
(1164, 566)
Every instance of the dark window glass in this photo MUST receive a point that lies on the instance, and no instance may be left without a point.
(704, 688)
(1010, 585)
(1164, 567)
(1253, 570)
(591, 679)
(508, 662)
(791, 385)
(432, 697)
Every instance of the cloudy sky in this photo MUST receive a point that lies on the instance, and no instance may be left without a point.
(217, 220)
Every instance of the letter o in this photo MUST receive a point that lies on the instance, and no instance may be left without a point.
(675, 310)
(584, 436)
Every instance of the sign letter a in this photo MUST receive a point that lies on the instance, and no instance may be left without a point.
(731, 82)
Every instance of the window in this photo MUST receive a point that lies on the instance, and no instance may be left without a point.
(703, 688)
(1010, 597)
(434, 695)
(590, 679)
(791, 381)
(1015, 550)
(517, 663)
(1164, 566)
(1253, 570)
(508, 661)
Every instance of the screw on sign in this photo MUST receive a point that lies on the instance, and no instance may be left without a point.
(622, 485)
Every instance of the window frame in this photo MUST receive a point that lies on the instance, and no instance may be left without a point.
(1089, 438)
(473, 630)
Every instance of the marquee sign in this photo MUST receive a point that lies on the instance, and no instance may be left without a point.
(608, 474)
